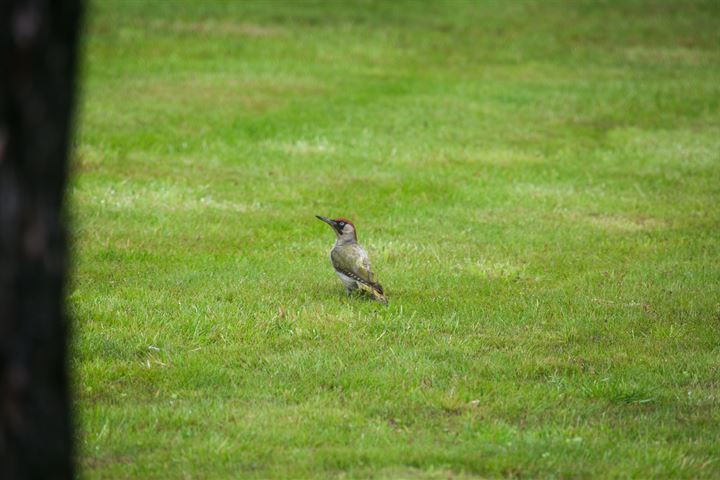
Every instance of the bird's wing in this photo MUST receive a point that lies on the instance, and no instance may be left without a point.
(353, 261)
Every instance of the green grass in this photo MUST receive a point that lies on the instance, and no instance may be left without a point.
(537, 183)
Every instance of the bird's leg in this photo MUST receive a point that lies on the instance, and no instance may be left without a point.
(350, 288)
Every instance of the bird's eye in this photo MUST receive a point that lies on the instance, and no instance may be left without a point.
(342, 224)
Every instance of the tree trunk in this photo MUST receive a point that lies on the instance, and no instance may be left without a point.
(38, 52)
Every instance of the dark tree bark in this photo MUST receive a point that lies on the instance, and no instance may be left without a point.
(38, 53)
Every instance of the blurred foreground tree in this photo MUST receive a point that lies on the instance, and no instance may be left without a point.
(38, 53)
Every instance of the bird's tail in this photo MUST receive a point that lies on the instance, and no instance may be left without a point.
(376, 290)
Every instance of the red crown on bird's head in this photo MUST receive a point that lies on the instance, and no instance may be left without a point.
(343, 219)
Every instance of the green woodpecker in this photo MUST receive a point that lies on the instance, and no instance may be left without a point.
(350, 260)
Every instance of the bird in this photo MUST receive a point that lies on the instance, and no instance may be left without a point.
(350, 260)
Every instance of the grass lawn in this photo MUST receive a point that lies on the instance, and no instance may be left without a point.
(537, 184)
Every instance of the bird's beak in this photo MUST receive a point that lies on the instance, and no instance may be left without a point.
(329, 221)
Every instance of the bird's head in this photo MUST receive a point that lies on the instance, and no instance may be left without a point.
(342, 226)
